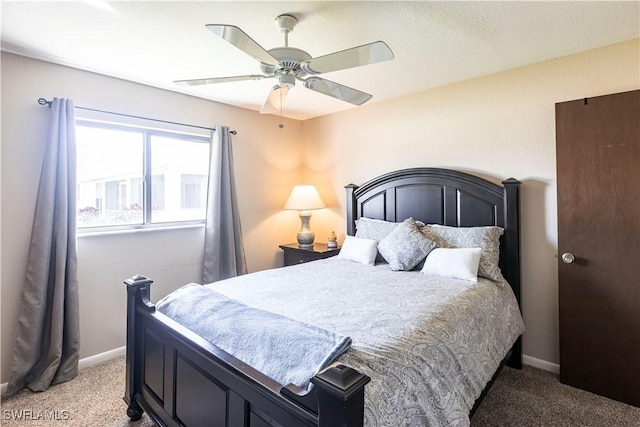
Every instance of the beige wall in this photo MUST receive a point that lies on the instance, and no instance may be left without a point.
(498, 126)
(267, 161)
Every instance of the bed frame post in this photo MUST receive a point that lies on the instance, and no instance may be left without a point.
(138, 294)
(351, 205)
(512, 237)
(340, 392)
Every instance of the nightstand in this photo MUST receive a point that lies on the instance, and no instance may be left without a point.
(295, 255)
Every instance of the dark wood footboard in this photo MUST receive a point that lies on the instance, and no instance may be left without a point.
(180, 379)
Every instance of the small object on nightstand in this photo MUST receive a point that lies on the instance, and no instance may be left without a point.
(332, 241)
(293, 254)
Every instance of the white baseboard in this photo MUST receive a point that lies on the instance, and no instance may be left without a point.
(540, 364)
(89, 361)
(107, 355)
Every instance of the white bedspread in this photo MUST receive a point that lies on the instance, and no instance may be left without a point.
(430, 345)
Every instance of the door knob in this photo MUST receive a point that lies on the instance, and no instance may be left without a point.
(568, 258)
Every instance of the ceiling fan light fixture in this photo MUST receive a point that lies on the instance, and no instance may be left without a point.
(287, 80)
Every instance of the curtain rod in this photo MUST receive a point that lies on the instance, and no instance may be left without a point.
(43, 101)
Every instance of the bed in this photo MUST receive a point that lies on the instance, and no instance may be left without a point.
(179, 378)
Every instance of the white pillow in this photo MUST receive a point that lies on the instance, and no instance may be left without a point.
(485, 238)
(457, 263)
(359, 250)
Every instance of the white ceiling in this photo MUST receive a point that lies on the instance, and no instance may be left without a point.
(435, 43)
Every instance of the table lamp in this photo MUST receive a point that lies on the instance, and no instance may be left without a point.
(304, 198)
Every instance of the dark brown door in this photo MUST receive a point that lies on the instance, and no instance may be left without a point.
(598, 170)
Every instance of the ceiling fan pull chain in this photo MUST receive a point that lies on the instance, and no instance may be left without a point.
(281, 125)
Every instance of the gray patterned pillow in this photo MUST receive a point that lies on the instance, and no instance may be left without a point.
(405, 246)
(376, 229)
(486, 238)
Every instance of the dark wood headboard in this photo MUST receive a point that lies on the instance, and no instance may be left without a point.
(448, 197)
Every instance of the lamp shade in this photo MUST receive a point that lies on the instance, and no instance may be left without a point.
(304, 198)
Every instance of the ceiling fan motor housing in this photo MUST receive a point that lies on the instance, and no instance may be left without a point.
(289, 59)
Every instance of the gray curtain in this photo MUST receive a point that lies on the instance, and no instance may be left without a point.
(47, 339)
(223, 249)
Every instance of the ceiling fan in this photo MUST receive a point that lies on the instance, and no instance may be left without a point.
(288, 64)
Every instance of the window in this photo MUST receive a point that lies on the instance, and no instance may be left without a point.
(135, 177)
(194, 191)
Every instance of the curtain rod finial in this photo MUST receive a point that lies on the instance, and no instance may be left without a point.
(43, 101)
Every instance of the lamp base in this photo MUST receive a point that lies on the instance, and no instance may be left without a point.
(305, 236)
(305, 245)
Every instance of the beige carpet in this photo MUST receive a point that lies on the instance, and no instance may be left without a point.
(533, 397)
(92, 399)
(530, 397)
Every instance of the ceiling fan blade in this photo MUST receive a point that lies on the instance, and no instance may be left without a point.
(337, 90)
(242, 41)
(196, 82)
(354, 57)
(275, 100)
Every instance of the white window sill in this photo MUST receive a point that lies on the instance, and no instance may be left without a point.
(81, 234)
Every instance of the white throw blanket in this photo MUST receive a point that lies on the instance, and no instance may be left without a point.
(286, 350)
